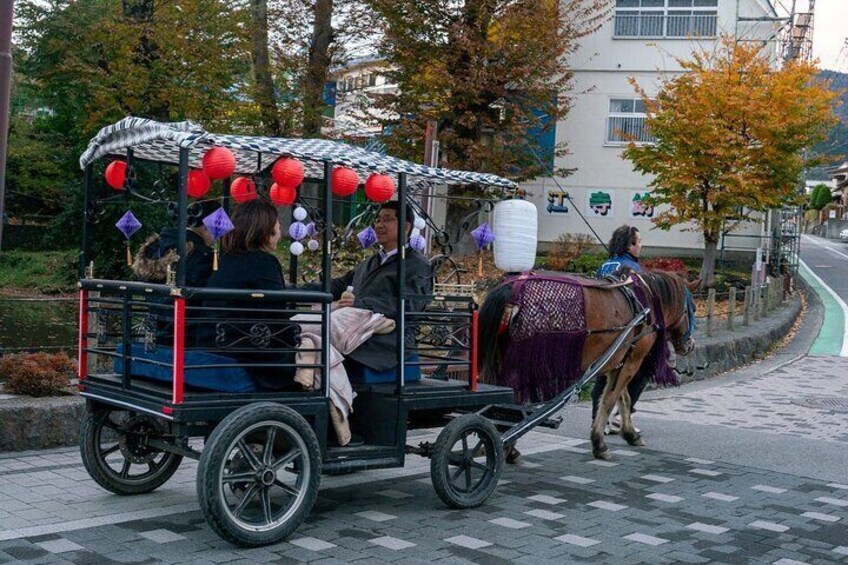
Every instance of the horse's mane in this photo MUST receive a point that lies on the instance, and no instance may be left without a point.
(668, 287)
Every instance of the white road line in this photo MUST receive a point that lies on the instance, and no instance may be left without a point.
(844, 351)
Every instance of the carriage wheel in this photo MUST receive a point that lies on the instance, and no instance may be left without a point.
(468, 458)
(259, 474)
(114, 449)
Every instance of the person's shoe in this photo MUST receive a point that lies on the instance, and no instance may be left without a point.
(616, 423)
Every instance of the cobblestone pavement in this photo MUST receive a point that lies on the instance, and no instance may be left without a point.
(559, 506)
(778, 402)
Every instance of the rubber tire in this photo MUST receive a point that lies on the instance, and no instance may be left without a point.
(221, 438)
(439, 467)
(91, 424)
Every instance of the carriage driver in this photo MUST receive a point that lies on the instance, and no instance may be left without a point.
(625, 246)
(375, 285)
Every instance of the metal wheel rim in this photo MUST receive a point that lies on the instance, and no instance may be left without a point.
(462, 478)
(156, 466)
(254, 480)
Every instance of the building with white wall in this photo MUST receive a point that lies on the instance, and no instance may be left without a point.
(643, 40)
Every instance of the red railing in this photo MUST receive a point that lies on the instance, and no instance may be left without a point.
(179, 348)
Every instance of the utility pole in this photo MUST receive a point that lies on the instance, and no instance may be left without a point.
(6, 9)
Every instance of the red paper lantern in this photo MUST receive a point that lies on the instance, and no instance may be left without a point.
(219, 163)
(116, 174)
(283, 195)
(379, 188)
(198, 183)
(345, 181)
(288, 172)
(243, 190)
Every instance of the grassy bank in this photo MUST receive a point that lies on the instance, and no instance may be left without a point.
(38, 272)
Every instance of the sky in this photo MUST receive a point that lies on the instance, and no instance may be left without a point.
(829, 33)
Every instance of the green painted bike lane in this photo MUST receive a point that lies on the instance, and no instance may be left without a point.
(832, 333)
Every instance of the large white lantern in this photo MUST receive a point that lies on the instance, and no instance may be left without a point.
(516, 226)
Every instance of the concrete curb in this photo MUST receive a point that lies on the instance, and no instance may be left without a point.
(39, 423)
(732, 349)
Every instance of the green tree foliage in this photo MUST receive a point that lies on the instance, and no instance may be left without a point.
(93, 61)
(487, 71)
(731, 139)
(820, 197)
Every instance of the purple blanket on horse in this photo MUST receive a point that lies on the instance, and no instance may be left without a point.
(547, 335)
(548, 332)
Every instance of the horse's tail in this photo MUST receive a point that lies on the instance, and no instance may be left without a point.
(488, 339)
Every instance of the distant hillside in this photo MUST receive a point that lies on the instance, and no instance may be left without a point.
(836, 144)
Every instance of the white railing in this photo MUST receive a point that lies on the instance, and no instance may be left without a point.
(665, 25)
(624, 129)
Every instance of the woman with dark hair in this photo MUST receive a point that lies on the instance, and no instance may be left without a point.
(625, 246)
(247, 263)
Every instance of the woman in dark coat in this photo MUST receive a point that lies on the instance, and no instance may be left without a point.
(253, 337)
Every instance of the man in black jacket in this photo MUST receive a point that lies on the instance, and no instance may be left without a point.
(375, 287)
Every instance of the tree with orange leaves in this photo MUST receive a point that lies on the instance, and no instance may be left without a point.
(732, 135)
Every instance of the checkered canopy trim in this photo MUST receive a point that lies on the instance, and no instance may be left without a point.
(161, 142)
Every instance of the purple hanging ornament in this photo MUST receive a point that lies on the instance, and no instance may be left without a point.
(128, 225)
(298, 231)
(218, 223)
(310, 229)
(417, 242)
(367, 237)
(483, 235)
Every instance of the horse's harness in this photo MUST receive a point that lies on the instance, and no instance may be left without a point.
(627, 288)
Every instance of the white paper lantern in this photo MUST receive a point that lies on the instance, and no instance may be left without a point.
(299, 214)
(414, 233)
(296, 248)
(419, 223)
(516, 223)
(313, 244)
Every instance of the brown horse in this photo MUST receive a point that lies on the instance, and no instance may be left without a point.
(539, 332)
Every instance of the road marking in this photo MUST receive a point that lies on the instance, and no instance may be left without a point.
(831, 333)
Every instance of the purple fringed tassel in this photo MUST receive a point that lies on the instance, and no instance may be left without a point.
(658, 357)
(539, 368)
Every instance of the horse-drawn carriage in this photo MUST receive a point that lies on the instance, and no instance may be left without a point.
(157, 393)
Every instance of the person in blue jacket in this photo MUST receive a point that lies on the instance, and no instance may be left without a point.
(625, 246)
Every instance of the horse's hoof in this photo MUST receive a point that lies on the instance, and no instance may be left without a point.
(513, 456)
(634, 440)
(603, 454)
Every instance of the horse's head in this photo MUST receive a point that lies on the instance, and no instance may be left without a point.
(680, 315)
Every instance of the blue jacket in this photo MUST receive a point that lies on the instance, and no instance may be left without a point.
(618, 265)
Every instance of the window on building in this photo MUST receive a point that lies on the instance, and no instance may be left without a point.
(372, 79)
(666, 18)
(626, 122)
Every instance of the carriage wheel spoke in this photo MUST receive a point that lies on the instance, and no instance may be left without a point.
(249, 456)
(293, 454)
(465, 446)
(477, 465)
(265, 498)
(468, 478)
(110, 451)
(291, 491)
(268, 456)
(238, 477)
(457, 473)
(248, 496)
(125, 470)
(153, 466)
(476, 452)
(456, 459)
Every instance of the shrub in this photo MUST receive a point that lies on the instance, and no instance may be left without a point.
(588, 263)
(671, 265)
(566, 248)
(37, 374)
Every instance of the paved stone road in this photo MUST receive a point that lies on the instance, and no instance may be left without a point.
(663, 504)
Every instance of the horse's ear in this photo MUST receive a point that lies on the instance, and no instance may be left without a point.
(693, 285)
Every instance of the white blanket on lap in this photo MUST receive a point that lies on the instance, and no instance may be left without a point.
(349, 328)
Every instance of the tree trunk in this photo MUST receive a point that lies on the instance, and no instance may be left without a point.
(708, 265)
(318, 68)
(262, 70)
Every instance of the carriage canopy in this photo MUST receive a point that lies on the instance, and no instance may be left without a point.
(161, 142)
